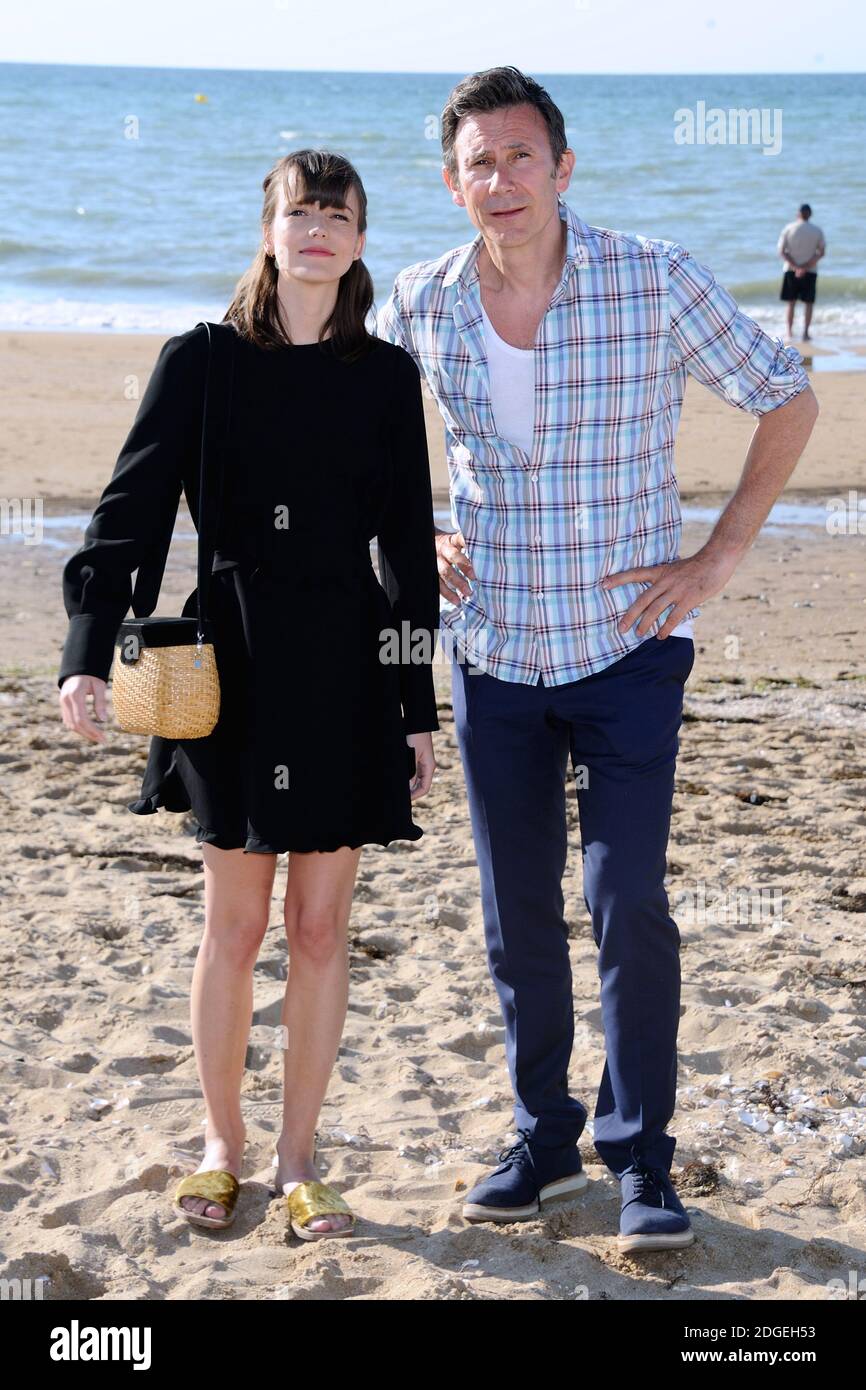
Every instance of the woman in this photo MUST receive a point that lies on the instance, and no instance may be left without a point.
(312, 753)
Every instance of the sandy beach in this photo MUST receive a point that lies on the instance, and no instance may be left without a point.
(79, 386)
(103, 914)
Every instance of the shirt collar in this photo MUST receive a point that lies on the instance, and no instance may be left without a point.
(580, 249)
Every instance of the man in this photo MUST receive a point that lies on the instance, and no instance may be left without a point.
(801, 247)
(558, 353)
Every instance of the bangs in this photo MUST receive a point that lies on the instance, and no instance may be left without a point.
(325, 183)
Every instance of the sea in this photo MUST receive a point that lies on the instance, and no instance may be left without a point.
(132, 196)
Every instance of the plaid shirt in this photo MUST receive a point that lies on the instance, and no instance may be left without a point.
(630, 317)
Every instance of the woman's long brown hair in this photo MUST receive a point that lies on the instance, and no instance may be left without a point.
(326, 178)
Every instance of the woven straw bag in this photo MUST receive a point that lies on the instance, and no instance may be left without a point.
(165, 679)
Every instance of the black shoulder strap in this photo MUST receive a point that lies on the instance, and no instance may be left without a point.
(216, 414)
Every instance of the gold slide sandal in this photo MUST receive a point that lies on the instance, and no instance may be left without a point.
(310, 1200)
(214, 1185)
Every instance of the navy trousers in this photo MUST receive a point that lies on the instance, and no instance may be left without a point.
(620, 726)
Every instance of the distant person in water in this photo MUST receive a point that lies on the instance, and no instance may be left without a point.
(801, 247)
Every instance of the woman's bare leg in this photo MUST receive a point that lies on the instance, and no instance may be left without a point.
(238, 891)
(317, 908)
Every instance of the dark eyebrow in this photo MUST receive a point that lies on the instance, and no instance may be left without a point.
(512, 145)
(341, 207)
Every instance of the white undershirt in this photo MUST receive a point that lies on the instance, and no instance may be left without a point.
(512, 395)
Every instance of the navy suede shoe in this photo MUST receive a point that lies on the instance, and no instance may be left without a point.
(527, 1176)
(652, 1217)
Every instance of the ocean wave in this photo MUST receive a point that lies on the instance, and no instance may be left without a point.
(833, 320)
(846, 321)
(10, 248)
(110, 282)
(832, 287)
(84, 316)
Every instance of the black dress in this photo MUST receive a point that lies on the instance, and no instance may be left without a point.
(322, 455)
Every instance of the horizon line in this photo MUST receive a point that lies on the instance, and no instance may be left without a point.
(432, 72)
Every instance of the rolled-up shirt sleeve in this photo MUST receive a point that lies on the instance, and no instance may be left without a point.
(407, 553)
(722, 347)
(136, 512)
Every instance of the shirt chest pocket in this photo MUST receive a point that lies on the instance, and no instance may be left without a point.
(461, 392)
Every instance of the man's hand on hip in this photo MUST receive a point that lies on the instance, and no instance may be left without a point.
(683, 583)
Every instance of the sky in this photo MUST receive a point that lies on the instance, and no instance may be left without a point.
(443, 36)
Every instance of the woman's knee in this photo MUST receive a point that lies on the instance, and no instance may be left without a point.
(316, 933)
(238, 933)
(238, 891)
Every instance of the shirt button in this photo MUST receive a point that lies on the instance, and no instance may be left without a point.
(538, 536)
(534, 477)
